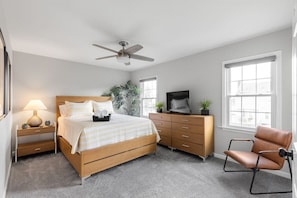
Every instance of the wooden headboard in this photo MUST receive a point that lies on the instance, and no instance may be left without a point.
(61, 100)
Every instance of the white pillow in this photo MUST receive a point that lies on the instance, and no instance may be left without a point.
(75, 108)
(63, 110)
(100, 106)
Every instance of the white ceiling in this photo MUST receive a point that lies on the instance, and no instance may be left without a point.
(167, 29)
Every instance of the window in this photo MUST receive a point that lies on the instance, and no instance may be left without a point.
(148, 95)
(251, 92)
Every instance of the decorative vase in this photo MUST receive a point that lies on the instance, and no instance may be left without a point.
(204, 112)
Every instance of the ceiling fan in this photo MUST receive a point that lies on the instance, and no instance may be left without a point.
(124, 55)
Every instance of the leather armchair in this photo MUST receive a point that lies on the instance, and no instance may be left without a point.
(264, 153)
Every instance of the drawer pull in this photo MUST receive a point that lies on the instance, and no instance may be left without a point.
(159, 131)
(37, 131)
(37, 149)
(160, 124)
(184, 145)
(184, 127)
(185, 136)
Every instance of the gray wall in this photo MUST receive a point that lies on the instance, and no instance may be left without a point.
(202, 75)
(38, 77)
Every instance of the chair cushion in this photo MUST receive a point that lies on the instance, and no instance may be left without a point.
(275, 136)
(272, 139)
(249, 159)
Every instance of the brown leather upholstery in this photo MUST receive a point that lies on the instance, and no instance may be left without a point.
(264, 154)
(265, 139)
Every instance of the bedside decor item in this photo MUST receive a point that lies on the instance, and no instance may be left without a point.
(159, 106)
(205, 107)
(47, 123)
(35, 105)
(25, 126)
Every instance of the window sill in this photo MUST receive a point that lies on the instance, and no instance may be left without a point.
(238, 130)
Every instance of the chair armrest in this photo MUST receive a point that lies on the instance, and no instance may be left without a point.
(239, 139)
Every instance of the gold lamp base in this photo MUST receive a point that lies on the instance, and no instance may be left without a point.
(34, 121)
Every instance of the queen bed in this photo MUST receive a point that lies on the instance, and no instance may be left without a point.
(90, 146)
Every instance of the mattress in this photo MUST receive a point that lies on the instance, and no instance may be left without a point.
(84, 134)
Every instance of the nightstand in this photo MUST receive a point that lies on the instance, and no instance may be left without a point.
(38, 146)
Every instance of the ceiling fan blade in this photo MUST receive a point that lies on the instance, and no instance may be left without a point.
(135, 56)
(106, 57)
(105, 48)
(133, 49)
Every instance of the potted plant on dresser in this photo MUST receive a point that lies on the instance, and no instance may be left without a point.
(159, 106)
(205, 107)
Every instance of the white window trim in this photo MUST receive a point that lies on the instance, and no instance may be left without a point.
(276, 118)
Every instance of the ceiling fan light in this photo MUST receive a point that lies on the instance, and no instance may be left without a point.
(123, 59)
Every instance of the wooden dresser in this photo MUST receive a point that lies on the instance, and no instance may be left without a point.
(163, 123)
(189, 133)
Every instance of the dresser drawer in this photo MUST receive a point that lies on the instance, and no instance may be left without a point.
(188, 137)
(189, 147)
(165, 140)
(164, 131)
(160, 116)
(194, 120)
(33, 148)
(187, 128)
(162, 124)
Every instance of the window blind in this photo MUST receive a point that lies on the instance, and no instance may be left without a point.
(148, 79)
(250, 62)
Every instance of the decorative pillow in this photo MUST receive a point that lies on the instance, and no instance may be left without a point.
(63, 110)
(75, 108)
(100, 106)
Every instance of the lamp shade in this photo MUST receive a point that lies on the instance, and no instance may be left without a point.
(35, 105)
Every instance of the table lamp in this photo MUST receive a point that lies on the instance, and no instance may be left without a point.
(35, 105)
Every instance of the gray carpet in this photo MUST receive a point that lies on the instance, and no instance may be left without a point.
(171, 174)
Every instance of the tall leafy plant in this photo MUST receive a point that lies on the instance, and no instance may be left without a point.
(125, 98)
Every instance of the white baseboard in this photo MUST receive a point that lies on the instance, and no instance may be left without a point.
(275, 172)
(7, 179)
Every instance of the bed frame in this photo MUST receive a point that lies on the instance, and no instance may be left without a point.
(93, 161)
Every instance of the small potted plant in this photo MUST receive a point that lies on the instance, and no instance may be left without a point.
(159, 106)
(205, 107)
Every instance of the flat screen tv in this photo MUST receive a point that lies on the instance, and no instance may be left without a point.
(178, 102)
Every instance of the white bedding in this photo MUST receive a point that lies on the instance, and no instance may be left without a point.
(84, 134)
